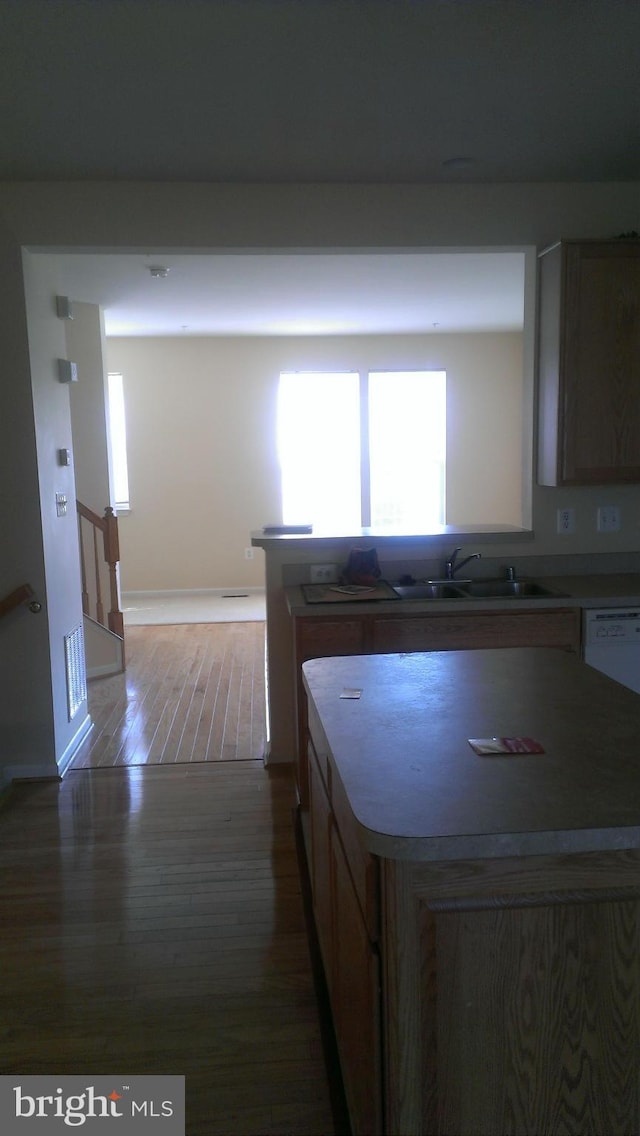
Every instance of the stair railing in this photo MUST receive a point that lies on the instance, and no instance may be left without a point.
(92, 586)
(22, 595)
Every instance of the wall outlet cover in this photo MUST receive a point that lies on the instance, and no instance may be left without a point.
(323, 573)
(566, 521)
(608, 518)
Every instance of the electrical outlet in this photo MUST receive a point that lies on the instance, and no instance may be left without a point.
(248, 554)
(608, 518)
(323, 573)
(566, 520)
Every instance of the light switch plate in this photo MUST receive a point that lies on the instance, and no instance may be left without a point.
(64, 308)
(67, 371)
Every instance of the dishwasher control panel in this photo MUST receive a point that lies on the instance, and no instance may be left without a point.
(613, 626)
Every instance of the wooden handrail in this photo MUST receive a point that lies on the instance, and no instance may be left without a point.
(23, 594)
(89, 515)
(108, 526)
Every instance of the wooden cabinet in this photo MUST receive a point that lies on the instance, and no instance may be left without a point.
(589, 363)
(349, 954)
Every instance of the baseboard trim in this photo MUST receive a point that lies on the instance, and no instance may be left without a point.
(64, 761)
(12, 773)
(104, 670)
(251, 590)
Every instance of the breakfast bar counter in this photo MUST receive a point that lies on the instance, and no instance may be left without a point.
(478, 915)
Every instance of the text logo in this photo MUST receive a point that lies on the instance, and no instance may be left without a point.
(120, 1105)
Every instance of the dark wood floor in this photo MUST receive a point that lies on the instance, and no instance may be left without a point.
(191, 692)
(152, 922)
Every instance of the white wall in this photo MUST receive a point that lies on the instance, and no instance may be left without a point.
(201, 434)
(191, 217)
(63, 608)
(85, 341)
(26, 710)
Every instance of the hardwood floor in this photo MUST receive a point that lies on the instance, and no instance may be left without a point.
(192, 692)
(152, 922)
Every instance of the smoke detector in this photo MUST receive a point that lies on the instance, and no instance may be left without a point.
(158, 271)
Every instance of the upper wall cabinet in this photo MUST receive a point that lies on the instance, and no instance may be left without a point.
(589, 363)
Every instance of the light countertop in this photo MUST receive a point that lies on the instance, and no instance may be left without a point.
(589, 591)
(418, 790)
(615, 589)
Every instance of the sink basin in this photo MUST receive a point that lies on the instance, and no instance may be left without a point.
(490, 589)
(428, 592)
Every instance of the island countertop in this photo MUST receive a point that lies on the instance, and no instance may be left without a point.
(419, 791)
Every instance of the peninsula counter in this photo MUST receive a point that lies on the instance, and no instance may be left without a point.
(479, 917)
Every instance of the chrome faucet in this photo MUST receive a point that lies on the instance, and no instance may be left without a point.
(452, 566)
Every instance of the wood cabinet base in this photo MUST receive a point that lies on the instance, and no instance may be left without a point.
(508, 1010)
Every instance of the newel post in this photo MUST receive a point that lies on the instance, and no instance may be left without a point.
(112, 557)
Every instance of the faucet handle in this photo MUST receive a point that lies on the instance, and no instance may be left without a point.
(451, 563)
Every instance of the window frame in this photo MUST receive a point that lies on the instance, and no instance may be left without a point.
(364, 376)
(117, 435)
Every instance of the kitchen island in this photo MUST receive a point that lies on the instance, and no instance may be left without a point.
(478, 916)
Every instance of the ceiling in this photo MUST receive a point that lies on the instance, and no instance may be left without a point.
(336, 91)
(328, 91)
(322, 294)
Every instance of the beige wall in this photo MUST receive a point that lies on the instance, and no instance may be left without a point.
(485, 427)
(201, 437)
(89, 430)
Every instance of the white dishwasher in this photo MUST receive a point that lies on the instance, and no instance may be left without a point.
(611, 641)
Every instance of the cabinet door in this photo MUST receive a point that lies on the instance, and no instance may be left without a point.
(589, 360)
(601, 363)
(355, 1002)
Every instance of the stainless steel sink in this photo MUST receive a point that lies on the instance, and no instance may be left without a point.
(491, 589)
(472, 589)
(429, 592)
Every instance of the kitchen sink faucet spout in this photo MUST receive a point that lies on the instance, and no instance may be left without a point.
(453, 565)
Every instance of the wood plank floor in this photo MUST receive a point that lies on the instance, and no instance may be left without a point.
(152, 922)
(192, 692)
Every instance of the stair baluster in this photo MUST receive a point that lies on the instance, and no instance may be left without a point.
(108, 526)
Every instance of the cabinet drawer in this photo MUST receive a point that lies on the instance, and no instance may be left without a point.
(320, 867)
(318, 748)
(319, 638)
(363, 867)
(552, 627)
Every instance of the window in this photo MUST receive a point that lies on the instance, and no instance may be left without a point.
(319, 449)
(118, 438)
(360, 450)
